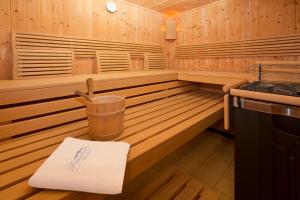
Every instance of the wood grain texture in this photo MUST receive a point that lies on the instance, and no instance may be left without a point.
(171, 183)
(80, 18)
(285, 45)
(36, 63)
(5, 39)
(276, 98)
(154, 61)
(160, 118)
(113, 61)
(171, 6)
(233, 20)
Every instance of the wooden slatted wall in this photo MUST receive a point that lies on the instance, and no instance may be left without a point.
(234, 20)
(113, 61)
(276, 46)
(81, 18)
(82, 47)
(37, 63)
(155, 61)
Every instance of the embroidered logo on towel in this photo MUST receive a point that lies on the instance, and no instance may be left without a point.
(81, 155)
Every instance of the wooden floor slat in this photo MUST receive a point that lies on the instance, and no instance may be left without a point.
(206, 194)
(169, 190)
(150, 188)
(171, 183)
(191, 191)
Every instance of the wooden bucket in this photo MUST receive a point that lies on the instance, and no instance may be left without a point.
(106, 116)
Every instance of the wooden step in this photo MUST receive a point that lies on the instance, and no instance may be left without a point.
(171, 183)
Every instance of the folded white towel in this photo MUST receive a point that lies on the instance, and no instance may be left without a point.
(87, 166)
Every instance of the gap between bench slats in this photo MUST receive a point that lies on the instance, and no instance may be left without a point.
(60, 118)
(47, 92)
(28, 167)
(22, 142)
(130, 113)
(36, 109)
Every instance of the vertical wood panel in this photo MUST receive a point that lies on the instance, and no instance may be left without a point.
(18, 14)
(97, 21)
(77, 18)
(46, 16)
(83, 18)
(5, 49)
(58, 17)
(68, 22)
(298, 16)
(290, 15)
(33, 16)
(231, 20)
(87, 18)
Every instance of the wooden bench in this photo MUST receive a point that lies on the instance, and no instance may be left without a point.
(113, 61)
(154, 61)
(161, 115)
(41, 63)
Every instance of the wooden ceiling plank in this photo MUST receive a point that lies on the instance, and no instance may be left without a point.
(166, 6)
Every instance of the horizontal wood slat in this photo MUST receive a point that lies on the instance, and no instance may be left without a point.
(42, 89)
(29, 63)
(24, 158)
(154, 61)
(161, 115)
(38, 116)
(113, 61)
(36, 109)
(82, 47)
(171, 183)
(274, 46)
(287, 68)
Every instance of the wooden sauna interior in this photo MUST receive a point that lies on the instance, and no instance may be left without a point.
(198, 23)
(175, 61)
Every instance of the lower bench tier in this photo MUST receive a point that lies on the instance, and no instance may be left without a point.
(154, 130)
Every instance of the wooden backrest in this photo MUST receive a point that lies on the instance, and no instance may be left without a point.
(154, 61)
(288, 45)
(82, 47)
(40, 63)
(31, 111)
(275, 68)
(113, 61)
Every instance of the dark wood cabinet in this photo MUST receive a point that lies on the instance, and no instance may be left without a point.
(297, 175)
(286, 165)
(267, 156)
